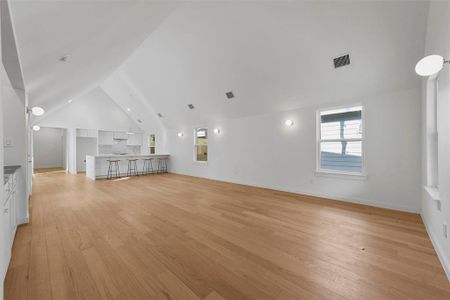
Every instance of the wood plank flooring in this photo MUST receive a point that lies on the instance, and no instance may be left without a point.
(48, 170)
(177, 237)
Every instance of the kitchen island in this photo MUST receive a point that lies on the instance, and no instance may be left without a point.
(97, 165)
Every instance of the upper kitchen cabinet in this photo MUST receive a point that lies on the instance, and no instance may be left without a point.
(105, 137)
(92, 133)
(117, 135)
(134, 139)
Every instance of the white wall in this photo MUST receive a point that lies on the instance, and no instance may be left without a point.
(94, 110)
(438, 42)
(126, 95)
(262, 151)
(48, 148)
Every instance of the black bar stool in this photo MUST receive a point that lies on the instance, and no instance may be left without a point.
(132, 167)
(113, 169)
(162, 165)
(148, 166)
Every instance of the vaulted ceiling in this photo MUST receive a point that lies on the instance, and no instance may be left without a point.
(273, 55)
(94, 36)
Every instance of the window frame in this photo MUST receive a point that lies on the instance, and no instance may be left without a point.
(319, 170)
(205, 162)
(150, 144)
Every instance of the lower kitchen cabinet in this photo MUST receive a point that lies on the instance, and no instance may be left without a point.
(8, 221)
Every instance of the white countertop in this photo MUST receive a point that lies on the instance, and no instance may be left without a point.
(128, 155)
(97, 166)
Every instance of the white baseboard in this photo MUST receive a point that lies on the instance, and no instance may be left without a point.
(23, 221)
(315, 194)
(437, 247)
(362, 201)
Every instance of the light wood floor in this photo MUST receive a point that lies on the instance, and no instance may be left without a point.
(178, 237)
(48, 170)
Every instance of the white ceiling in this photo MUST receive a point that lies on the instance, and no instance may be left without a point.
(273, 55)
(95, 35)
(94, 110)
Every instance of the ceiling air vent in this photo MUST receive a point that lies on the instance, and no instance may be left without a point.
(160, 115)
(139, 121)
(341, 61)
(229, 95)
(191, 106)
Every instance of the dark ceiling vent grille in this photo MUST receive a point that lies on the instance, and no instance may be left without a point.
(229, 95)
(191, 106)
(139, 121)
(160, 115)
(341, 61)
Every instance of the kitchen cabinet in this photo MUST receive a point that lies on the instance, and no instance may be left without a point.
(91, 133)
(105, 137)
(117, 135)
(134, 139)
(8, 218)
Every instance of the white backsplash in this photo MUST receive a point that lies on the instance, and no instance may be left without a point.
(119, 149)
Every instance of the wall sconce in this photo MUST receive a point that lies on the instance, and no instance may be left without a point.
(289, 123)
(180, 134)
(36, 127)
(36, 111)
(216, 130)
(430, 65)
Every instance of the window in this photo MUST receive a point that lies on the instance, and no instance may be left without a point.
(340, 140)
(201, 144)
(152, 143)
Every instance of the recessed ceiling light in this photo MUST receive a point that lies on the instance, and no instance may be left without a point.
(180, 134)
(36, 127)
(191, 106)
(64, 58)
(216, 130)
(139, 121)
(128, 109)
(289, 123)
(229, 95)
(160, 115)
(69, 101)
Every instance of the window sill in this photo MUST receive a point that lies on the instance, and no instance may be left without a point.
(433, 192)
(341, 175)
(201, 163)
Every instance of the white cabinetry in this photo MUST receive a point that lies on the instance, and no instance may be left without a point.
(135, 139)
(8, 220)
(92, 133)
(120, 135)
(105, 137)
